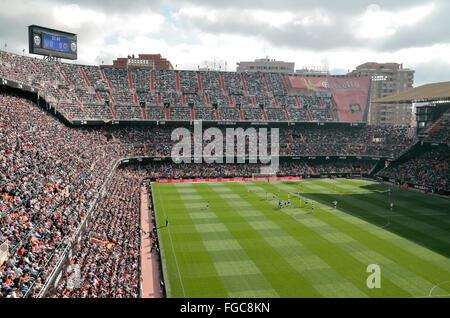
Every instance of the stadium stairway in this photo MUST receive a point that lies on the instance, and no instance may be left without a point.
(439, 126)
(105, 79)
(99, 98)
(223, 84)
(380, 165)
(113, 102)
(253, 101)
(264, 114)
(34, 65)
(415, 150)
(332, 115)
(321, 103)
(334, 108)
(286, 86)
(436, 125)
(243, 83)
(85, 77)
(267, 84)
(177, 81)
(217, 114)
(62, 94)
(199, 81)
(80, 104)
(112, 111)
(130, 81)
(298, 102)
(152, 82)
(309, 115)
(291, 140)
(276, 102)
(287, 116)
(63, 76)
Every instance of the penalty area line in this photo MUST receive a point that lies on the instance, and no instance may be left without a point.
(434, 287)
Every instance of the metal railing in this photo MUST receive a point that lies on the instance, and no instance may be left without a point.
(82, 229)
(4, 254)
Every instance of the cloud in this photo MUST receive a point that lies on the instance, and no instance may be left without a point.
(343, 8)
(111, 6)
(432, 29)
(339, 34)
(376, 23)
(316, 29)
(73, 16)
(378, 27)
(431, 72)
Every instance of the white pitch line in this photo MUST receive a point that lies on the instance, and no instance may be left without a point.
(442, 283)
(446, 295)
(170, 237)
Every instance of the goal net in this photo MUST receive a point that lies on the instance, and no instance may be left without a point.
(263, 175)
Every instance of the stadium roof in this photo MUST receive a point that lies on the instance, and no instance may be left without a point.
(427, 92)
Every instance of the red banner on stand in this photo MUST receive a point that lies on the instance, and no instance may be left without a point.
(349, 93)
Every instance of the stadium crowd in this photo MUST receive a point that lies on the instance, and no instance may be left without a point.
(90, 92)
(46, 181)
(386, 141)
(230, 170)
(106, 261)
(51, 174)
(431, 169)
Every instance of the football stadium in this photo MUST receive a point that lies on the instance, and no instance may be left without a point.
(147, 182)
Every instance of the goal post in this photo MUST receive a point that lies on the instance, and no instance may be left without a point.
(259, 176)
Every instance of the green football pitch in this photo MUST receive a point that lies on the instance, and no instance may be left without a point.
(243, 245)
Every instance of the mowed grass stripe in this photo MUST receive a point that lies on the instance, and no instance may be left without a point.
(342, 262)
(389, 234)
(414, 263)
(239, 274)
(377, 212)
(325, 278)
(418, 201)
(437, 219)
(427, 202)
(319, 274)
(399, 275)
(427, 221)
(410, 225)
(191, 272)
(282, 277)
(424, 209)
(403, 279)
(168, 258)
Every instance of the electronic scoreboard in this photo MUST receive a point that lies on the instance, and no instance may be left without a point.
(50, 42)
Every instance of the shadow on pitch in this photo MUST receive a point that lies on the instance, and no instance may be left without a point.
(404, 220)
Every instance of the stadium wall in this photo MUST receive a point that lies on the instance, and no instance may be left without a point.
(32, 94)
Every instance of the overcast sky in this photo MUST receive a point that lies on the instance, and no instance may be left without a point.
(327, 34)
